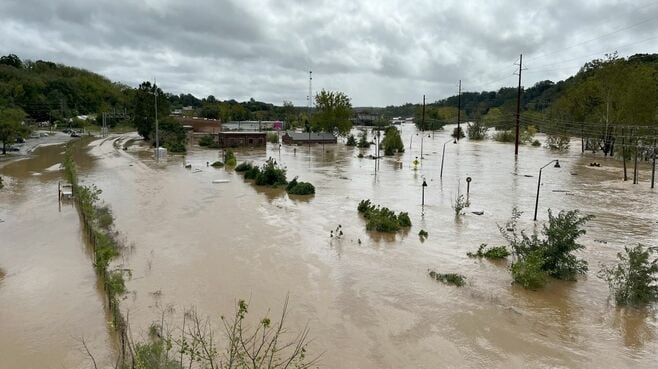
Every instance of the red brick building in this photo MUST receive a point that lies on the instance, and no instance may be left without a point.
(240, 139)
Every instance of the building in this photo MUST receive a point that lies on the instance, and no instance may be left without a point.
(242, 139)
(305, 138)
(253, 125)
(201, 125)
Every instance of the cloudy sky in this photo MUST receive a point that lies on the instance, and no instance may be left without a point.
(379, 52)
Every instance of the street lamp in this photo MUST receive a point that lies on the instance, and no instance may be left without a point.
(423, 193)
(443, 155)
(557, 165)
(308, 128)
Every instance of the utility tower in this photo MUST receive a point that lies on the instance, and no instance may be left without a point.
(310, 92)
(518, 108)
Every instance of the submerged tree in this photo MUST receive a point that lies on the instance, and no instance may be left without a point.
(634, 280)
(334, 111)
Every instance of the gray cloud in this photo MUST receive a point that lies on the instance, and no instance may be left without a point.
(379, 52)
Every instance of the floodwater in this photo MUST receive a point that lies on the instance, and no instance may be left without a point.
(49, 298)
(369, 304)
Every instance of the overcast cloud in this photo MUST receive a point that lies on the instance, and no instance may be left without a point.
(379, 52)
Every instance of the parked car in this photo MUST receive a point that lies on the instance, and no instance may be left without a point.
(20, 140)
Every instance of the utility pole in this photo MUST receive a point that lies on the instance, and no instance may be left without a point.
(310, 92)
(653, 167)
(459, 108)
(422, 129)
(623, 153)
(518, 108)
(157, 133)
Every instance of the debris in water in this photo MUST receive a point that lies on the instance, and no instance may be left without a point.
(478, 212)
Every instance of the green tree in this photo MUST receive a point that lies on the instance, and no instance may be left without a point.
(144, 108)
(12, 60)
(634, 280)
(333, 111)
(11, 126)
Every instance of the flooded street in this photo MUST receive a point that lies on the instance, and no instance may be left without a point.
(366, 297)
(49, 300)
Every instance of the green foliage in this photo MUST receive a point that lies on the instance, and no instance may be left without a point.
(217, 164)
(494, 252)
(392, 141)
(423, 234)
(333, 111)
(229, 158)
(252, 173)
(1, 183)
(477, 131)
(244, 166)
(351, 140)
(382, 219)
(300, 188)
(172, 135)
(208, 141)
(557, 142)
(115, 283)
(363, 140)
(527, 134)
(271, 174)
(272, 137)
(454, 279)
(104, 218)
(529, 272)
(460, 204)
(504, 136)
(555, 251)
(143, 109)
(536, 143)
(458, 132)
(11, 127)
(634, 280)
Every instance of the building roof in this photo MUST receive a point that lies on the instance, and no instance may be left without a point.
(237, 133)
(314, 136)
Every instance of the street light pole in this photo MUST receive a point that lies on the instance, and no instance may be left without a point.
(443, 155)
(157, 131)
(423, 196)
(557, 165)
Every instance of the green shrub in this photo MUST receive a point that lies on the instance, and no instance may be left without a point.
(116, 283)
(104, 217)
(527, 134)
(363, 140)
(244, 166)
(392, 141)
(217, 164)
(272, 137)
(554, 253)
(536, 143)
(382, 219)
(229, 158)
(477, 131)
(448, 278)
(634, 280)
(271, 175)
(423, 233)
(458, 132)
(300, 188)
(504, 136)
(529, 273)
(558, 142)
(460, 204)
(351, 140)
(208, 141)
(495, 252)
(252, 173)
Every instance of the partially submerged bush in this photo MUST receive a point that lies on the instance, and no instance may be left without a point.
(392, 141)
(553, 254)
(634, 280)
(217, 164)
(382, 219)
(458, 132)
(363, 140)
(300, 188)
(557, 142)
(477, 131)
(494, 252)
(208, 141)
(244, 166)
(271, 175)
(536, 143)
(448, 278)
(423, 234)
(529, 273)
(272, 137)
(504, 136)
(460, 204)
(229, 158)
(351, 140)
(252, 173)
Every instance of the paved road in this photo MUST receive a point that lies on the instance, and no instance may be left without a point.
(32, 143)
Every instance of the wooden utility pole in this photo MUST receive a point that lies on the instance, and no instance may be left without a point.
(623, 154)
(518, 108)
(635, 177)
(653, 167)
(422, 129)
(459, 108)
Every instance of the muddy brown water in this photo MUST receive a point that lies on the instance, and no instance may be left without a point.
(368, 304)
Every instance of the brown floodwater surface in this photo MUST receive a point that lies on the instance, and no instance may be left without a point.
(49, 299)
(367, 297)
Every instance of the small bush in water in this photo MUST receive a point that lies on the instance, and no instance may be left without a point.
(634, 280)
(244, 166)
(448, 278)
(300, 188)
(351, 140)
(495, 252)
(382, 219)
(229, 158)
(271, 175)
(217, 164)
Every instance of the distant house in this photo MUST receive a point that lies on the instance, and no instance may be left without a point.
(364, 118)
(253, 125)
(305, 138)
(242, 139)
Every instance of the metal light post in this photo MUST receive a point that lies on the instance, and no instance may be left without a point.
(308, 128)
(443, 155)
(423, 194)
(557, 165)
